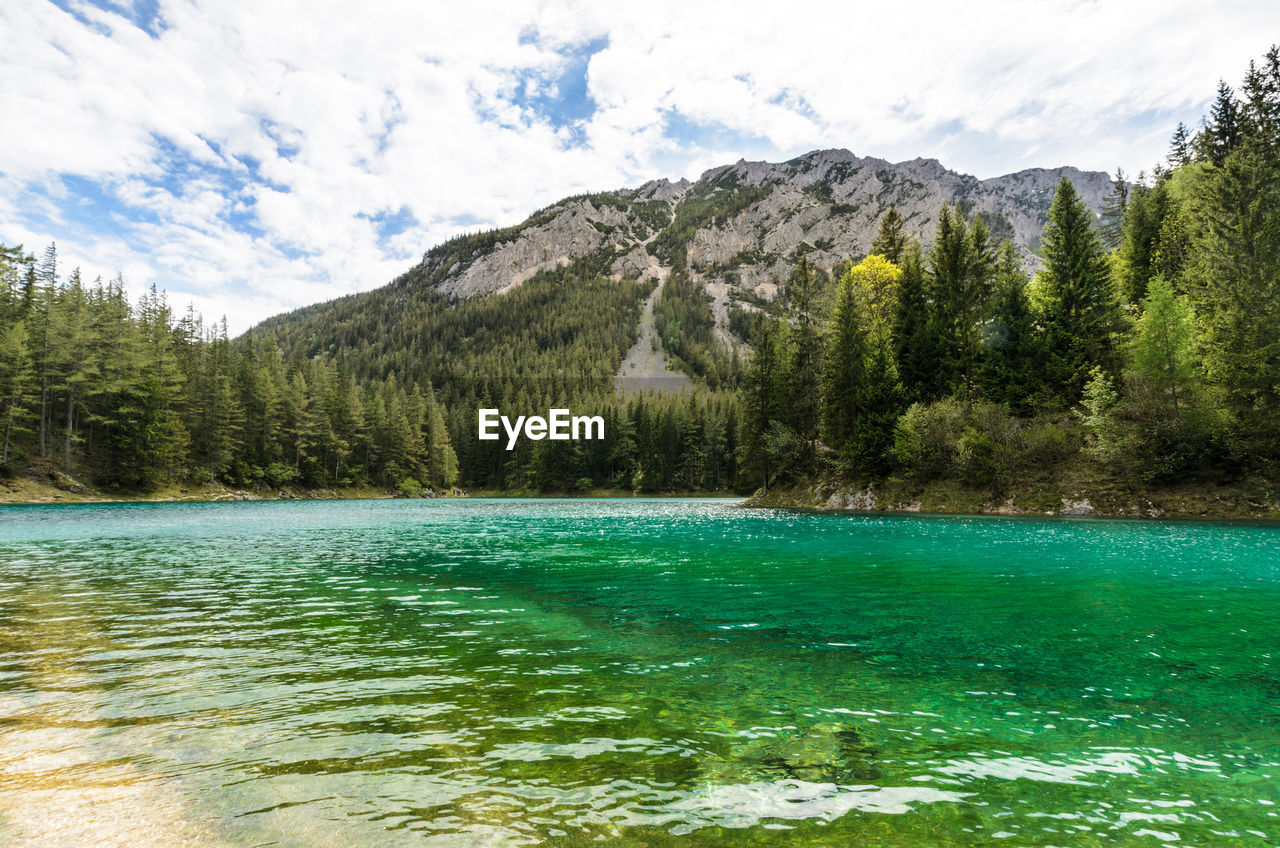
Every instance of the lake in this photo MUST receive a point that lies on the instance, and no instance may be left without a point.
(636, 672)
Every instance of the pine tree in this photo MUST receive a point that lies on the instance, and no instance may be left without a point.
(46, 281)
(846, 361)
(1081, 312)
(1223, 127)
(802, 369)
(961, 269)
(917, 348)
(1236, 285)
(17, 379)
(1011, 369)
(1179, 147)
(1148, 206)
(442, 461)
(73, 361)
(891, 241)
(1113, 211)
(762, 396)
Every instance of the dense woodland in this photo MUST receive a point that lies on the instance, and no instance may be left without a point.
(135, 397)
(1148, 343)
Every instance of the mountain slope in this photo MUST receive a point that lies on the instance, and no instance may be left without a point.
(737, 232)
(740, 225)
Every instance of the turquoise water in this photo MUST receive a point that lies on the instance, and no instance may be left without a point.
(668, 672)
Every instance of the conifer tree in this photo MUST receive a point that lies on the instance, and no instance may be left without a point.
(762, 396)
(1011, 369)
(961, 267)
(1148, 206)
(802, 370)
(1223, 127)
(917, 348)
(1081, 312)
(891, 241)
(16, 387)
(1114, 206)
(1179, 147)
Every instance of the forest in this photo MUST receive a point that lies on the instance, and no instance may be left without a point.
(1147, 343)
(134, 397)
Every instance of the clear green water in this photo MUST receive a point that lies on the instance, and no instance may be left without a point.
(642, 672)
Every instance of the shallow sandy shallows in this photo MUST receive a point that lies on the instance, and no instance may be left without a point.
(61, 782)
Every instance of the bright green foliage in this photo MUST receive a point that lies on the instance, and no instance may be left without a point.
(1164, 352)
(1172, 245)
(1081, 314)
(979, 443)
(860, 391)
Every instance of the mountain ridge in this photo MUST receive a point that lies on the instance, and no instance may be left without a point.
(739, 226)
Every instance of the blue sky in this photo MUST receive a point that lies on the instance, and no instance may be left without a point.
(251, 158)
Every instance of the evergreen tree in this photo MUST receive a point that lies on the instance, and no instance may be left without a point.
(961, 268)
(1236, 283)
(802, 369)
(1011, 370)
(16, 387)
(762, 396)
(1223, 127)
(1081, 313)
(917, 348)
(1179, 147)
(73, 365)
(1114, 206)
(891, 241)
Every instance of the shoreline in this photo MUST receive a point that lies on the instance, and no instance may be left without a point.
(1245, 500)
(1249, 499)
(29, 490)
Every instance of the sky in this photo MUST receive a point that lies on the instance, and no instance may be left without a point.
(250, 158)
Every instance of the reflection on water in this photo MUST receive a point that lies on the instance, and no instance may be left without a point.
(641, 672)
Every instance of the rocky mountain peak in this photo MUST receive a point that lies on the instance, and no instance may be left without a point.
(739, 228)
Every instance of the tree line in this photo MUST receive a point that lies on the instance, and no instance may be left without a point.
(135, 396)
(1150, 336)
(377, 390)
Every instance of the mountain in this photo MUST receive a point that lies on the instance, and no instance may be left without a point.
(734, 234)
(739, 226)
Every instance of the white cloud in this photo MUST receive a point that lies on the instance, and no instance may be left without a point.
(251, 149)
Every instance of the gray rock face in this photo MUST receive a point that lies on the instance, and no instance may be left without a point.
(1080, 507)
(740, 226)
